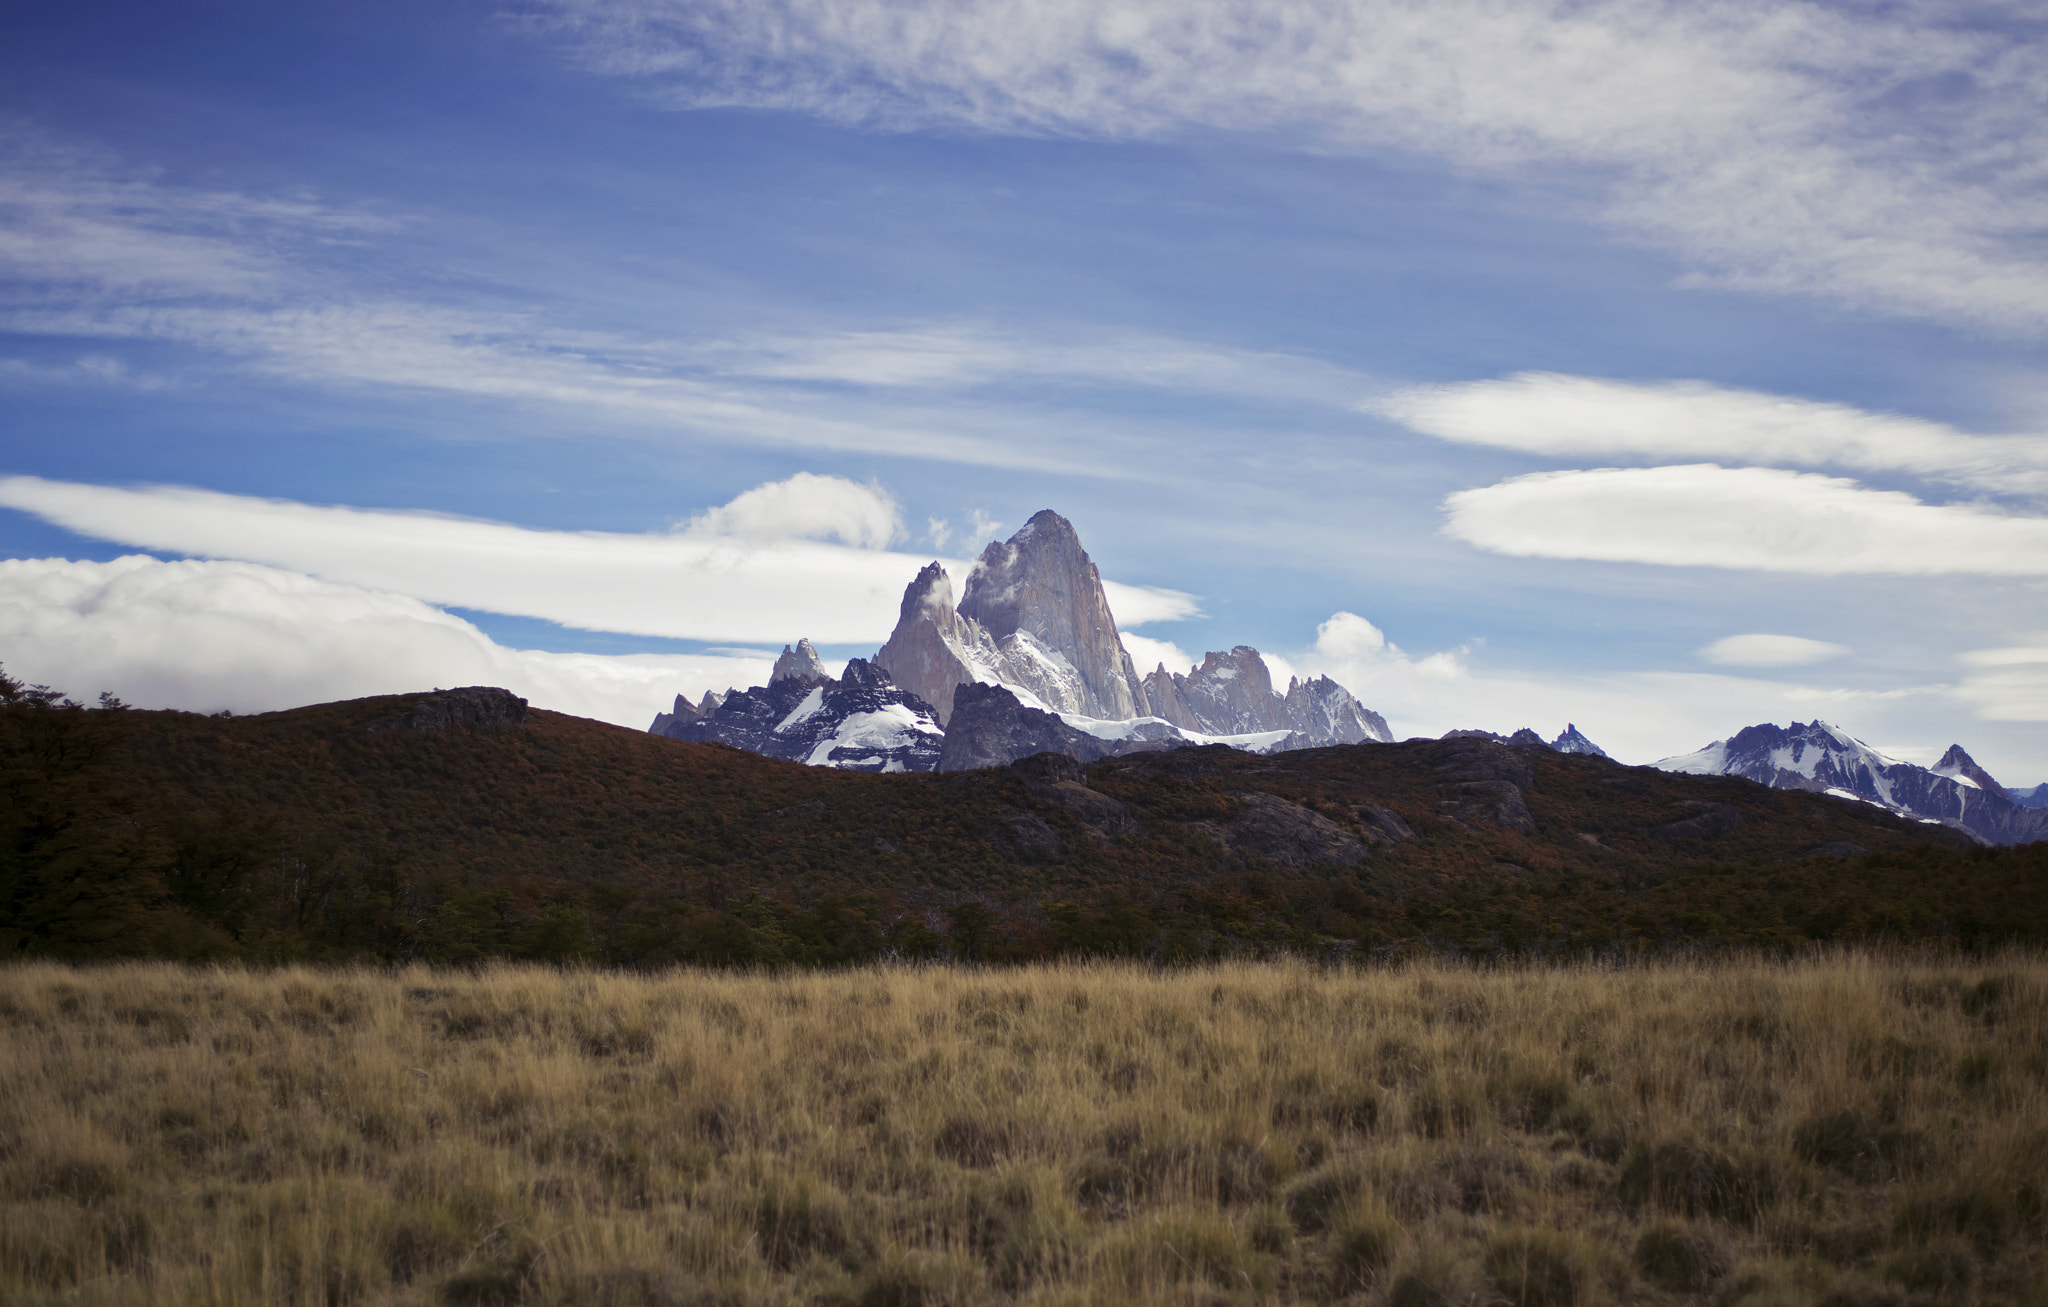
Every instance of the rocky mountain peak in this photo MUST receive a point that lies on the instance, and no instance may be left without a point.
(800, 664)
(1041, 582)
(1959, 765)
(1574, 741)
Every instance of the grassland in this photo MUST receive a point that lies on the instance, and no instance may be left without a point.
(1844, 1129)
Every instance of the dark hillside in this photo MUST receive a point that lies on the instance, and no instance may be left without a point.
(343, 830)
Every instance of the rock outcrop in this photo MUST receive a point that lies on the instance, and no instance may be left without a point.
(991, 727)
(1482, 783)
(471, 705)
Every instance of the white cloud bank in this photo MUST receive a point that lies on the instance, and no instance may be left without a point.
(1641, 716)
(1574, 417)
(1763, 650)
(203, 636)
(1764, 519)
(1885, 156)
(802, 557)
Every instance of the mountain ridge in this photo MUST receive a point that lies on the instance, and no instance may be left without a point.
(1822, 758)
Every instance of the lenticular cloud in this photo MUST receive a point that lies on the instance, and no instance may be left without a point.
(1764, 519)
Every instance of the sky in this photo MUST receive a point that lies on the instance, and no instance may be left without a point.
(1662, 368)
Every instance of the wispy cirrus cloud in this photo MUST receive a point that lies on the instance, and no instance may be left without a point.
(92, 253)
(1885, 157)
(802, 557)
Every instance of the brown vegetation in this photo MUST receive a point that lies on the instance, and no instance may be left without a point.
(1845, 1129)
(316, 835)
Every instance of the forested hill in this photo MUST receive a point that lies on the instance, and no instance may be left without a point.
(394, 828)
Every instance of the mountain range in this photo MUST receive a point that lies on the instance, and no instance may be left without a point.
(1033, 623)
(1028, 659)
(1825, 759)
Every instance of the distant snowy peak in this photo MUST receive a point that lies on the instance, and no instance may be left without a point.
(1825, 759)
(2034, 798)
(1571, 741)
(1232, 694)
(1960, 767)
(859, 722)
(800, 664)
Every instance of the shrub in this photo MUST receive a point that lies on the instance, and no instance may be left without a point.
(1361, 1244)
(1683, 1259)
(1694, 1178)
(1538, 1268)
(1315, 1199)
(793, 1220)
(1934, 1268)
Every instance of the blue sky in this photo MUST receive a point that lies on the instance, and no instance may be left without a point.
(1663, 368)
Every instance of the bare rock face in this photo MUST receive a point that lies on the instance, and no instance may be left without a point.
(1704, 822)
(800, 664)
(1291, 834)
(929, 651)
(1232, 694)
(1482, 783)
(1033, 617)
(1056, 778)
(1041, 583)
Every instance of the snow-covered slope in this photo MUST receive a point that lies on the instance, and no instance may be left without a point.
(1825, 759)
(859, 722)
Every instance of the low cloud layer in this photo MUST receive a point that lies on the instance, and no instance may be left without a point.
(1575, 417)
(1886, 157)
(796, 558)
(203, 636)
(1761, 519)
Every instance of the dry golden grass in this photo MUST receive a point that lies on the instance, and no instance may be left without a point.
(1850, 1130)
